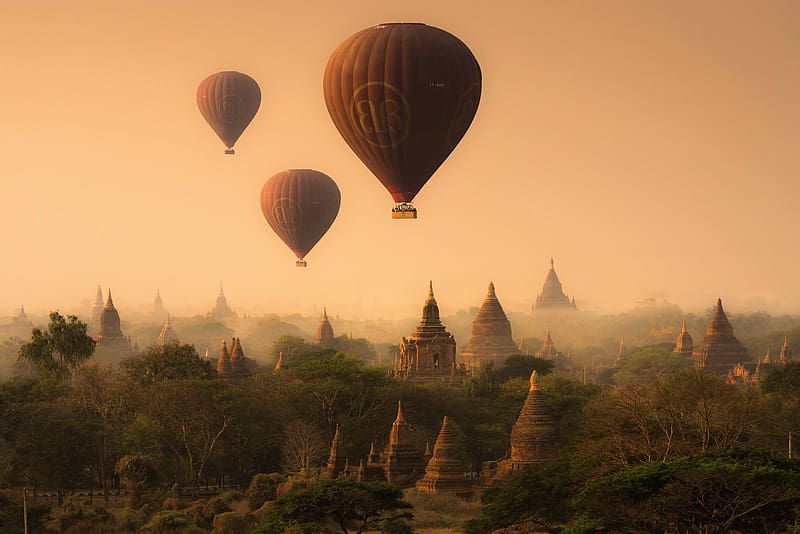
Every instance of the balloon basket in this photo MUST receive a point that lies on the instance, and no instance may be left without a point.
(404, 210)
(230, 151)
(301, 263)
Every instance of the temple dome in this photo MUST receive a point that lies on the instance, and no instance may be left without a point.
(491, 334)
(552, 294)
(720, 351)
(445, 470)
(109, 321)
(533, 437)
(324, 336)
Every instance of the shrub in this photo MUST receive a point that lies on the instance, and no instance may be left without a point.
(263, 488)
(230, 523)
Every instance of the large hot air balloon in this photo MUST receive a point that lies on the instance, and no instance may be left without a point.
(228, 101)
(402, 96)
(300, 205)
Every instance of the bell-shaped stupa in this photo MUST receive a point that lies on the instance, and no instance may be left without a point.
(445, 470)
(720, 351)
(491, 334)
(533, 437)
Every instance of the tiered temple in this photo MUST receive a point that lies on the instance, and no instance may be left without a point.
(720, 351)
(110, 338)
(21, 319)
(563, 364)
(685, 344)
(491, 334)
(324, 335)
(430, 353)
(445, 470)
(336, 457)
(402, 462)
(157, 310)
(221, 310)
(552, 296)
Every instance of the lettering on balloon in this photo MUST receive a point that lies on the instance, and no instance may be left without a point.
(286, 213)
(230, 107)
(464, 113)
(379, 113)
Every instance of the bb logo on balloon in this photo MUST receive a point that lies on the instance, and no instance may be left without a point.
(230, 107)
(380, 114)
(286, 213)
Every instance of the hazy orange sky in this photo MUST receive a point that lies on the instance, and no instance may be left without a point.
(651, 147)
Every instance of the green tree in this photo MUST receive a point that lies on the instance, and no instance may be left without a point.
(60, 349)
(522, 365)
(733, 490)
(353, 506)
(173, 361)
(539, 497)
(290, 346)
(484, 383)
(97, 395)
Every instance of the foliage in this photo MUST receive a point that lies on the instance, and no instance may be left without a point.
(11, 511)
(783, 381)
(484, 383)
(137, 474)
(303, 447)
(230, 523)
(173, 361)
(644, 363)
(290, 346)
(263, 488)
(353, 506)
(60, 349)
(729, 490)
(538, 496)
(170, 522)
(78, 517)
(522, 365)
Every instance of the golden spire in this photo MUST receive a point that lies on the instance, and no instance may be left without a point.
(534, 381)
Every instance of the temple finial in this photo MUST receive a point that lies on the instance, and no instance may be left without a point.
(534, 380)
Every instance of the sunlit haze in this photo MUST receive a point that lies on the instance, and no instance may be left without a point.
(651, 148)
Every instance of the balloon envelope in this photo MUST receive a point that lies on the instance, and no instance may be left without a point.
(300, 205)
(228, 101)
(402, 96)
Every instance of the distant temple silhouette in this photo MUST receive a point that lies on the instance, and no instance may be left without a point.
(221, 310)
(552, 296)
(324, 336)
(110, 338)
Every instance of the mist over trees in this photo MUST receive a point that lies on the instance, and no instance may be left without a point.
(162, 422)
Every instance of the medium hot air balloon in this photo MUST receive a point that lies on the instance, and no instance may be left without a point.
(300, 205)
(228, 101)
(402, 96)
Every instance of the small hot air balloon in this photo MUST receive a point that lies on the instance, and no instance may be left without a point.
(300, 205)
(228, 101)
(402, 96)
